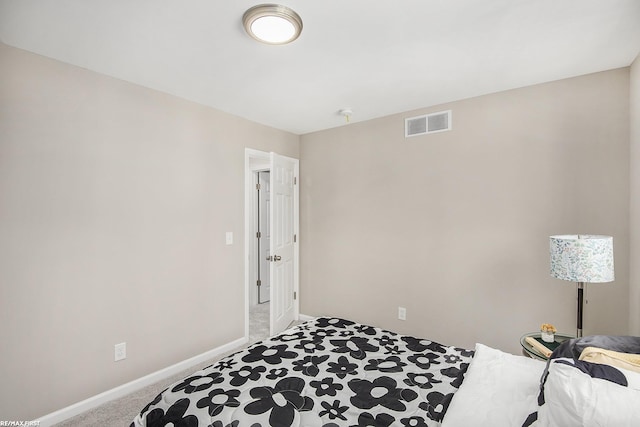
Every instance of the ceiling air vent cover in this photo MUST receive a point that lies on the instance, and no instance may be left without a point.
(430, 123)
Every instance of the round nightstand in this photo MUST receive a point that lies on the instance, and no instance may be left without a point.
(528, 350)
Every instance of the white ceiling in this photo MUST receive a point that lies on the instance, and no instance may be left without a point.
(375, 57)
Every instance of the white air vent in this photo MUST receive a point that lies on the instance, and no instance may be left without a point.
(430, 123)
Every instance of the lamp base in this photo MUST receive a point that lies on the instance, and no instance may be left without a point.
(580, 308)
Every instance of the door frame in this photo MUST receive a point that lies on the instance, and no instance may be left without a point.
(261, 160)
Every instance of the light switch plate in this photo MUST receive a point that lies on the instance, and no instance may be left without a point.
(120, 351)
(229, 237)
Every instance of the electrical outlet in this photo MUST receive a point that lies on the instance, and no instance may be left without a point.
(402, 313)
(120, 351)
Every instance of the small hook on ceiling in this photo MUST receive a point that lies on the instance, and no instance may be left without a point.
(347, 113)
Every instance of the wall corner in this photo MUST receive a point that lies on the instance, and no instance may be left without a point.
(634, 195)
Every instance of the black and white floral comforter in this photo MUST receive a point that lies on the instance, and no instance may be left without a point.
(327, 372)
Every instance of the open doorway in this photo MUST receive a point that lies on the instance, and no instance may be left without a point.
(258, 292)
(259, 288)
(263, 236)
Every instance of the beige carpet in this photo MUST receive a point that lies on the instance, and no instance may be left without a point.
(121, 412)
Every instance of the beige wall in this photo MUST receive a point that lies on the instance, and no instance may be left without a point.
(634, 282)
(454, 226)
(114, 203)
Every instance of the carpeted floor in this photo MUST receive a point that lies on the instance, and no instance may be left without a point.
(121, 412)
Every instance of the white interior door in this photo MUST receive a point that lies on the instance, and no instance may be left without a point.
(283, 270)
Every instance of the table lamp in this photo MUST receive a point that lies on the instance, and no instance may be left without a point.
(583, 259)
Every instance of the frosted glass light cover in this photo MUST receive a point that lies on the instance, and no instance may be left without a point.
(582, 258)
(273, 29)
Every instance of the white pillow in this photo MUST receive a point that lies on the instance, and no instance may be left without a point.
(573, 398)
(499, 389)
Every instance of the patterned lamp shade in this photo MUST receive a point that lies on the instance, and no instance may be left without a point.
(582, 258)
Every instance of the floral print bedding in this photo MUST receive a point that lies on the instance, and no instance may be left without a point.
(327, 372)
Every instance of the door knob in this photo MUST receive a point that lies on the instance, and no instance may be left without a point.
(269, 258)
(277, 257)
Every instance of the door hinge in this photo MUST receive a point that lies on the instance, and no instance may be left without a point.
(258, 235)
(295, 180)
(258, 186)
(295, 295)
(295, 238)
(259, 282)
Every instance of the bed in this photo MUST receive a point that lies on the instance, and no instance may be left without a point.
(332, 372)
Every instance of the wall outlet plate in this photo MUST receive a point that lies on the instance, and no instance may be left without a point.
(402, 313)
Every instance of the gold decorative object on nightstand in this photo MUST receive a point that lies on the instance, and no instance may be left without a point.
(547, 332)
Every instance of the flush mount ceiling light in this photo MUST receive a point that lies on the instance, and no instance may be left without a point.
(272, 24)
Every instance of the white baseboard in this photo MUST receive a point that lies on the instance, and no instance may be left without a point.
(305, 318)
(132, 386)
